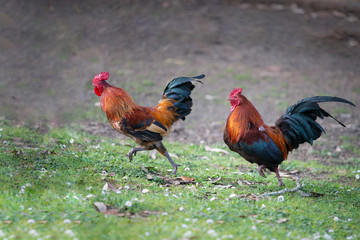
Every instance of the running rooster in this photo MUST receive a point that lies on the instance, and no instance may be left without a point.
(247, 134)
(147, 126)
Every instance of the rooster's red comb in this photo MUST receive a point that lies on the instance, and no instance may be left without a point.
(101, 77)
(236, 91)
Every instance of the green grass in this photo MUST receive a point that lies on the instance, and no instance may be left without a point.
(356, 89)
(50, 182)
(245, 77)
(348, 143)
(148, 82)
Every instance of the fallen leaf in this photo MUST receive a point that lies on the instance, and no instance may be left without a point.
(209, 149)
(187, 179)
(281, 220)
(100, 206)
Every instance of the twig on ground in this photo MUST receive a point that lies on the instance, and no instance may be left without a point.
(286, 190)
(155, 174)
(176, 181)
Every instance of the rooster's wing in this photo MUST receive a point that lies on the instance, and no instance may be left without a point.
(140, 124)
(262, 151)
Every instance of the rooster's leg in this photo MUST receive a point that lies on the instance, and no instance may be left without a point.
(174, 165)
(261, 170)
(278, 177)
(133, 151)
(162, 150)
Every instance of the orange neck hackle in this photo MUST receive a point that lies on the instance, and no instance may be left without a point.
(242, 118)
(116, 102)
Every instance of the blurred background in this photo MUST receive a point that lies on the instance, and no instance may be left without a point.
(278, 51)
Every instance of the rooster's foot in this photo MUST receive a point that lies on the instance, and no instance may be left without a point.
(261, 170)
(173, 164)
(175, 168)
(133, 152)
(130, 155)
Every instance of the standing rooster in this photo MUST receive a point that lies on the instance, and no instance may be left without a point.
(247, 134)
(146, 125)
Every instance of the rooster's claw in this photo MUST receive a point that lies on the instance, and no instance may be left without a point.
(175, 168)
(261, 170)
(133, 152)
(130, 155)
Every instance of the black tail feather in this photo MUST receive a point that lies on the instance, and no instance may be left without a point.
(299, 124)
(179, 90)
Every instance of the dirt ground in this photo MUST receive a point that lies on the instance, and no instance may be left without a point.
(50, 51)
